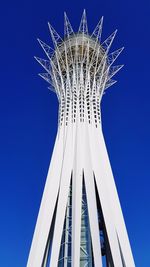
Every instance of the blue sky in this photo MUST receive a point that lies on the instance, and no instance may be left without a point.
(28, 116)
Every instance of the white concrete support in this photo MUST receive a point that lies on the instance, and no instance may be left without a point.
(114, 201)
(77, 181)
(105, 203)
(47, 207)
(62, 200)
(91, 200)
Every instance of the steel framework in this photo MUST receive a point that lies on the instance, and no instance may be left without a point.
(80, 222)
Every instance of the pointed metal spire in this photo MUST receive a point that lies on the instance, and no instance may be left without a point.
(106, 45)
(67, 26)
(68, 31)
(109, 83)
(57, 40)
(47, 49)
(44, 63)
(52, 89)
(108, 42)
(83, 28)
(98, 30)
(47, 77)
(55, 36)
(96, 34)
(113, 56)
(113, 70)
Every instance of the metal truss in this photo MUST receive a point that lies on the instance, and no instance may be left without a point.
(79, 52)
(80, 60)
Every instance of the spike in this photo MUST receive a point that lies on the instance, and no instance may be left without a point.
(113, 56)
(46, 76)
(103, 81)
(48, 65)
(107, 43)
(98, 30)
(113, 70)
(83, 28)
(55, 36)
(67, 26)
(52, 89)
(57, 40)
(68, 31)
(47, 49)
(109, 83)
(44, 63)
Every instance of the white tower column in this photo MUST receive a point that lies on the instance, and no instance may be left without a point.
(80, 221)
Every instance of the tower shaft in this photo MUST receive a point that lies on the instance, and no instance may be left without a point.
(80, 164)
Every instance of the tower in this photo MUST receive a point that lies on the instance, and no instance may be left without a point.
(80, 222)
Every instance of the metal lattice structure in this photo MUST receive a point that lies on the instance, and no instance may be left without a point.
(80, 222)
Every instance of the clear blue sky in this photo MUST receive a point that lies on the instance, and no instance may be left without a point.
(28, 116)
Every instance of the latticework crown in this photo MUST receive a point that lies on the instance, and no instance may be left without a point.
(79, 67)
